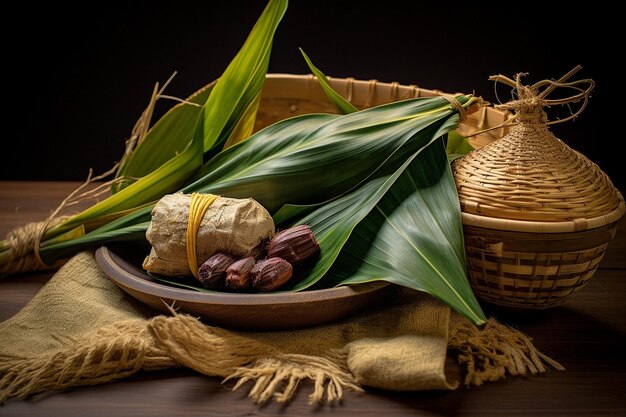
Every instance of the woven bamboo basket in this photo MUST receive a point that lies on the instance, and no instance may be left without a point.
(286, 95)
(537, 215)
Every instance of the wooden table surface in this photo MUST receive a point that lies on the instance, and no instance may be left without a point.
(587, 335)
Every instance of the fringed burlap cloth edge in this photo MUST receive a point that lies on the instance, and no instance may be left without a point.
(80, 329)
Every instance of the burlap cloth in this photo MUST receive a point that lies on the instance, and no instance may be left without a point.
(81, 329)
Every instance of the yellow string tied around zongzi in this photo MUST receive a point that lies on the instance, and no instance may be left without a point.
(197, 208)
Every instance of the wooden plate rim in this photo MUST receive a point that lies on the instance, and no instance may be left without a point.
(125, 274)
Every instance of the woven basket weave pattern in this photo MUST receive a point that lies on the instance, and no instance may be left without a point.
(514, 193)
(533, 275)
(288, 95)
(531, 175)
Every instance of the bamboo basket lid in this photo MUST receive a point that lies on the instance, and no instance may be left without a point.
(531, 181)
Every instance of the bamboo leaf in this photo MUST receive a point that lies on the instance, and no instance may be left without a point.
(313, 158)
(343, 105)
(169, 177)
(245, 127)
(239, 85)
(167, 138)
(288, 212)
(308, 159)
(74, 233)
(262, 147)
(235, 104)
(414, 238)
(245, 76)
(333, 222)
(457, 146)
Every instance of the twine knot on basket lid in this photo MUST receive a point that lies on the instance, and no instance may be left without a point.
(531, 176)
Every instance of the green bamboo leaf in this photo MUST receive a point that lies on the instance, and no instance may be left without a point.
(314, 158)
(167, 138)
(263, 146)
(288, 212)
(71, 234)
(414, 238)
(333, 222)
(245, 76)
(245, 127)
(457, 146)
(343, 105)
(118, 229)
(234, 103)
(170, 176)
(305, 160)
(132, 232)
(232, 94)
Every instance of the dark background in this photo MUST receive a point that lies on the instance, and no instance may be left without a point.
(76, 89)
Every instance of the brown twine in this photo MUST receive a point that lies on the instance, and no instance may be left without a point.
(141, 127)
(19, 255)
(532, 100)
(74, 198)
(24, 242)
(456, 105)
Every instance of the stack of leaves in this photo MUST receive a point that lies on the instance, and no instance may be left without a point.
(374, 185)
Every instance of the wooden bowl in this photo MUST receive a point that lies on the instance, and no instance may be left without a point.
(275, 311)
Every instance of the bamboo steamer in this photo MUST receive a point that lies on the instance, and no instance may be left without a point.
(537, 215)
